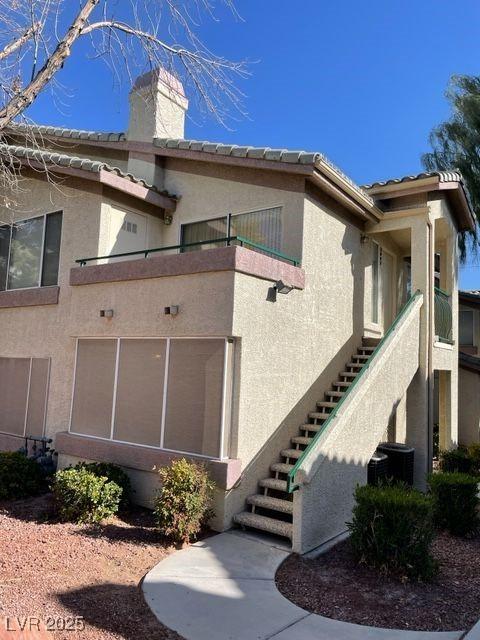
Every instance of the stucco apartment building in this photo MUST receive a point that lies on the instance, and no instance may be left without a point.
(249, 308)
(469, 368)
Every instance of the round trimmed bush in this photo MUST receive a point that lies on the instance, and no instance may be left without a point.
(182, 506)
(456, 461)
(455, 502)
(392, 529)
(20, 476)
(83, 497)
(113, 473)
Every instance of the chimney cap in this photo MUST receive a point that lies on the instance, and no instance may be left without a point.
(156, 76)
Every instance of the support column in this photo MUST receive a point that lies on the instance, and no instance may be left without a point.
(420, 391)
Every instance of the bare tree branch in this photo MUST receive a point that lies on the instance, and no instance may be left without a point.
(51, 66)
(19, 42)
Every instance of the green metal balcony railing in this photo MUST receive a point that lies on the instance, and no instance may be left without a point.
(227, 241)
(443, 315)
(291, 484)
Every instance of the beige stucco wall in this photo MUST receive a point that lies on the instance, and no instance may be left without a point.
(330, 472)
(468, 406)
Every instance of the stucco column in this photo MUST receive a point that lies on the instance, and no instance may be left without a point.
(420, 391)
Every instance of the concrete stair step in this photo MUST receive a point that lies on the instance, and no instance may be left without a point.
(303, 439)
(281, 467)
(343, 385)
(273, 483)
(367, 349)
(278, 527)
(355, 365)
(335, 394)
(348, 374)
(318, 415)
(361, 356)
(326, 405)
(292, 453)
(274, 504)
(311, 427)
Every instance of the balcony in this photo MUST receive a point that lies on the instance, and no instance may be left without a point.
(233, 253)
(443, 316)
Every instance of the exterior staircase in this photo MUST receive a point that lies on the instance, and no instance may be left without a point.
(271, 510)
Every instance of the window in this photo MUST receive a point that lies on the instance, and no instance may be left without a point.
(466, 327)
(23, 395)
(159, 392)
(29, 252)
(263, 227)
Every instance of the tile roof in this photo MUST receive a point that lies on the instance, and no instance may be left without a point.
(258, 153)
(65, 160)
(444, 176)
(63, 132)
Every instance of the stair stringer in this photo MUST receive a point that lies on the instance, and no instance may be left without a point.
(337, 462)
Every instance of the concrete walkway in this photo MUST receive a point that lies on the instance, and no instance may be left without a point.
(223, 588)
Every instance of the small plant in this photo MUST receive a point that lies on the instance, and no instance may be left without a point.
(392, 529)
(83, 497)
(474, 455)
(113, 473)
(455, 502)
(182, 506)
(20, 476)
(456, 460)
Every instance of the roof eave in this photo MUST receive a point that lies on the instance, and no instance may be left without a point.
(455, 189)
(110, 179)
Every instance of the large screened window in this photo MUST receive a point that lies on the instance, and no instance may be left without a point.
(262, 227)
(29, 252)
(167, 393)
(23, 395)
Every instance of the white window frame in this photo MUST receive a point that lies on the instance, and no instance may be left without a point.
(16, 435)
(42, 255)
(227, 389)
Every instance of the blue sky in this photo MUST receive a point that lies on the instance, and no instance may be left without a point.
(361, 82)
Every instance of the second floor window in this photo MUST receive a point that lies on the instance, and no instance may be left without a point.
(29, 252)
(263, 227)
(466, 327)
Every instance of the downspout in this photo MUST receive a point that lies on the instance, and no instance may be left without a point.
(431, 320)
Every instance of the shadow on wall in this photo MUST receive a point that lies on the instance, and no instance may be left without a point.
(259, 466)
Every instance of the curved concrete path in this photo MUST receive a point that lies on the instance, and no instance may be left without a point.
(223, 588)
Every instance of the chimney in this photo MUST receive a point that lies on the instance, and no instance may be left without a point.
(157, 107)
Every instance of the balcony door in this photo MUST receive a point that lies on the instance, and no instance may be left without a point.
(383, 288)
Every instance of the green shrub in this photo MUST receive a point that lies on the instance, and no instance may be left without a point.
(392, 529)
(19, 476)
(455, 502)
(456, 460)
(113, 473)
(182, 506)
(474, 455)
(83, 497)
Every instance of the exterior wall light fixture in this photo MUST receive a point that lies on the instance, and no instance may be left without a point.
(283, 287)
(106, 313)
(172, 310)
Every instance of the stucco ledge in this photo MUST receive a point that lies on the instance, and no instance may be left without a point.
(225, 473)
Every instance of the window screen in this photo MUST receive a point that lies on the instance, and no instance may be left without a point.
(194, 396)
(23, 395)
(262, 227)
(51, 250)
(93, 392)
(375, 281)
(139, 398)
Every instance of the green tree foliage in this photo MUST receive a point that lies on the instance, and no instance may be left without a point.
(456, 145)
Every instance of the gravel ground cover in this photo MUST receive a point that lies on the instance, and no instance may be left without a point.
(335, 586)
(62, 570)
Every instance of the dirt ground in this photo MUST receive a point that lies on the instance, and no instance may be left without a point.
(57, 571)
(334, 585)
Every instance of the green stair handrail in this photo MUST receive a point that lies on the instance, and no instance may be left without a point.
(443, 315)
(291, 486)
(228, 240)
